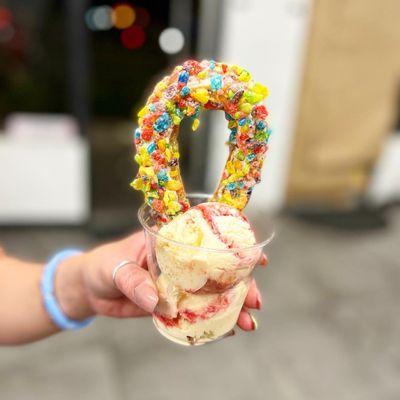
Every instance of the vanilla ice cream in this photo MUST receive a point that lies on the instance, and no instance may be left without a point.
(200, 318)
(204, 257)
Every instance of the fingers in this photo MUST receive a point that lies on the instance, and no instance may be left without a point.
(253, 298)
(128, 309)
(263, 260)
(119, 308)
(246, 321)
(136, 284)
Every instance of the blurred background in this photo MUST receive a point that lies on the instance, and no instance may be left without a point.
(73, 75)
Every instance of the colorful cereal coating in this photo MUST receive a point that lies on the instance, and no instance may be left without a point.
(190, 88)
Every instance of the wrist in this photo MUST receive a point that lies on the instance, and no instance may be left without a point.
(70, 290)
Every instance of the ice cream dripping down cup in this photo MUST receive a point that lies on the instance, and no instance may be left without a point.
(201, 263)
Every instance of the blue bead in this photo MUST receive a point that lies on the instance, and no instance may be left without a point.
(242, 121)
(241, 185)
(152, 107)
(183, 76)
(151, 147)
(162, 176)
(212, 64)
(260, 125)
(216, 82)
(162, 123)
(137, 133)
(185, 91)
(251, 157)
(231, 186)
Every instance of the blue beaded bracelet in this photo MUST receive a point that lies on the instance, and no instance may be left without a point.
(49, 299)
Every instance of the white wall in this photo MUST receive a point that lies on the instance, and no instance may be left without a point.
(44, 171)
(43, 183)
(267, 37)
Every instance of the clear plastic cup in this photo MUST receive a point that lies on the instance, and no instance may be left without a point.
(201, 290)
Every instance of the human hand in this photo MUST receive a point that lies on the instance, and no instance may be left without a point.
(84, 284)
(246, 320)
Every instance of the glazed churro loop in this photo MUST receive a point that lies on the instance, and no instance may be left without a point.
(190, 88)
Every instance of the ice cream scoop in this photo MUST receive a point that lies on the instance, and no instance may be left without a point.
(199, 318)
(204, 257)
(213, 226)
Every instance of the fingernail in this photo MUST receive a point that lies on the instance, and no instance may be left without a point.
(258, 301)
(254, 322)
(145, 296)
(264, 260)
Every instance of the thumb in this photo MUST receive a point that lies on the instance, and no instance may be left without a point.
(136, 284)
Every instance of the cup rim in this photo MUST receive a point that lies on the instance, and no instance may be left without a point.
(196, 195)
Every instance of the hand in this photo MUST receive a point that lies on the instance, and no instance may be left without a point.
(253, 300)
(133, 294)
(84, 285)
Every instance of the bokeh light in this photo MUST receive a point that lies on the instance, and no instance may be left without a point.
(133, 37)
(142, 17)
(123, 16)
(5, 17)
(99, 18)
(171, 40)
(102, 18)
